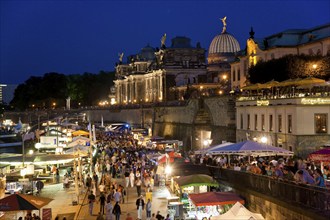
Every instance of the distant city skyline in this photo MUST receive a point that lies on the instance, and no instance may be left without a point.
(73, 37)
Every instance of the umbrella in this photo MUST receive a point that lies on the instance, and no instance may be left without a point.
(310, 80)
(322, 155)
(16, 202)
(270, 84)
(253, 87)
(289, 82)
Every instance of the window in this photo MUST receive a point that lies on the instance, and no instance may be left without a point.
(234, 76)
(263, 122)
(279, 123)
(320, 121)
(270, 122)
(289, 123)
(241, 121)
(238, 75)
(256, 122)
(248, 122)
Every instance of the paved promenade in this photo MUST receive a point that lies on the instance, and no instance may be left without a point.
(62, 204)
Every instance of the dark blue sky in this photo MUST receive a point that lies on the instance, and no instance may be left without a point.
(69, 37)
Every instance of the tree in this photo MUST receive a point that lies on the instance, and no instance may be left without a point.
(290, 66)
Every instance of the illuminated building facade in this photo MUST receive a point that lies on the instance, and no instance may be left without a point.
(298, 124)
(314, 41)
(148, 77)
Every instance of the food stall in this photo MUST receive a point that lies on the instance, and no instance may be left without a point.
(204, 205)
(185, 185)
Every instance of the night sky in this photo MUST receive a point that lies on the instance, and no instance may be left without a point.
(73, 37)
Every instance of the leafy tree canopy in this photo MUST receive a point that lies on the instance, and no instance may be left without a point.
(290, 66)
(52, 90)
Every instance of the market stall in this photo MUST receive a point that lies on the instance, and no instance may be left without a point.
(185, 185)
(205, 205)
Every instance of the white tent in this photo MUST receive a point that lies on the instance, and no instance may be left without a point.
(239, 212)
(79, 140)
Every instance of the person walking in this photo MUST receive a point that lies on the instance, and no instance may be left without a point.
(148, 209)
(140, 206)
(131, 178)
(126, 174)
(117, 196)
(116, 211)
(102, 203)
(91, 200)
(138, 184)
(88, 182)
(108, 211)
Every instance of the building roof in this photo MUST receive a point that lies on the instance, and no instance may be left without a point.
(294, 37)
(224, 43)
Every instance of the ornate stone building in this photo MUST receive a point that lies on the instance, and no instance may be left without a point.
(151, 75)
(311, 41)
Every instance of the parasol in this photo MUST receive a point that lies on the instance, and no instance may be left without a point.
(322, 155)
(310, 81)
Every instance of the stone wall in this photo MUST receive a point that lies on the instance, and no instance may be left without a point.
(272, 209)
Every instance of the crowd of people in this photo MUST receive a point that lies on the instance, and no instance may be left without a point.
(296, 170)
(118, 157)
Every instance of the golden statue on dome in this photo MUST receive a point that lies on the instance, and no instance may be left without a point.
(224, 24)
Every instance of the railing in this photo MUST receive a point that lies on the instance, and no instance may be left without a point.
(313, 197)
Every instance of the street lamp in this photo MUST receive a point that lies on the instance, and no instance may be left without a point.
(264, 140)
(38, 146)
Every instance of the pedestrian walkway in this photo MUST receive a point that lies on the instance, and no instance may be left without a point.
(159, 203)
(63, 198)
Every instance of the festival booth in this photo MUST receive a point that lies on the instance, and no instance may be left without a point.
(185, 185)
(239, 212)
(205, 205)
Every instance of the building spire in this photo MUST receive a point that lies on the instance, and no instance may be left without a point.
(251, 33)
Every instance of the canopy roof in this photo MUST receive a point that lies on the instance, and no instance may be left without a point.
(322, 155)
(196, 180)
(239, 212)
(215, 198)
(80, 133)
(218, 147)
(252, 148)
(208, 149)
(16, 202)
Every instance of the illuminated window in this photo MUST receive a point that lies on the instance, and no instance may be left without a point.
(289, 123)
(279, 123)
(262, 122)
(255, 122)
(321, 123)
(270, 122)
(248, 122)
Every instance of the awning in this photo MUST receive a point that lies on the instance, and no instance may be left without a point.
(196, 180)
(215, 198)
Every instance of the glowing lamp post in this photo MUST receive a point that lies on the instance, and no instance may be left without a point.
(264, 140)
